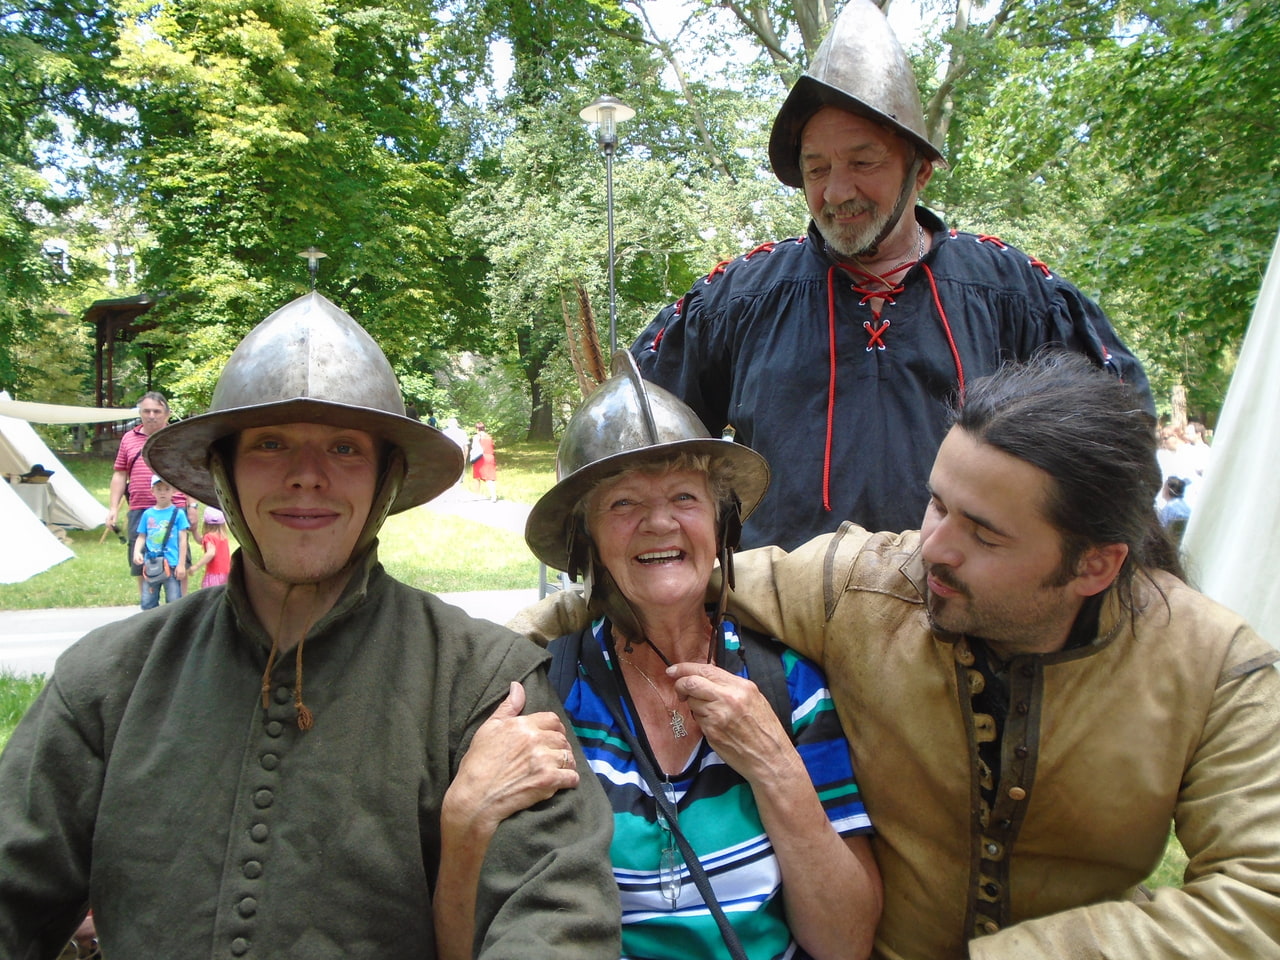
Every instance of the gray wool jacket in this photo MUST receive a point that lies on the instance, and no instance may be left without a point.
(149, 781)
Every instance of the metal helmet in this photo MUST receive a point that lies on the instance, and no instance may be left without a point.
(309, 362)
(859, 67)
(627, 423)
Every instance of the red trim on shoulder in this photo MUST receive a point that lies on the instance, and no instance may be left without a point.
(992, 239)
(716, 270)
(719, 268)
(1041, 266)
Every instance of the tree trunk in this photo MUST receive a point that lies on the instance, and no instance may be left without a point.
(1178, 401)
(540, 420)
(533, 358)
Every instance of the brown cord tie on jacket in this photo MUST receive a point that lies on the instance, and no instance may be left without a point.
(306, 720)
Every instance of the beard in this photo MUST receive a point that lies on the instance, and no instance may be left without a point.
(1034, 619)
(852, 241)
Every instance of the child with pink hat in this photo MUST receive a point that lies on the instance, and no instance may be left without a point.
(216, 558)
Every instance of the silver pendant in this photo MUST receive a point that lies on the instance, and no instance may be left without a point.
(677, 725)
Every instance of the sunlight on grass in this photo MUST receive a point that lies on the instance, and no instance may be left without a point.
(16, 695)
(525, 470)
(443, 554)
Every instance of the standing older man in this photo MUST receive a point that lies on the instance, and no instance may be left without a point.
(259, 770)
(131, 478)
(835, 354)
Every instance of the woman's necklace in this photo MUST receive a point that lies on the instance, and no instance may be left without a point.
(678, 729)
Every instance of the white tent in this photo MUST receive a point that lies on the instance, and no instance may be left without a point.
(29, 546)
(65, 501)
(1231, 543)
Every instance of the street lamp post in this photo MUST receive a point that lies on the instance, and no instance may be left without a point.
(606, 113)
(313, 258)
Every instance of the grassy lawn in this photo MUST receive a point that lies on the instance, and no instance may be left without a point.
(16, 695)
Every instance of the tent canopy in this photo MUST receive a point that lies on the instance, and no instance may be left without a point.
(65, 502)
(60, 413)
(1232, 551)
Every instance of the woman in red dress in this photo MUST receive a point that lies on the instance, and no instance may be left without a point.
(485, 467)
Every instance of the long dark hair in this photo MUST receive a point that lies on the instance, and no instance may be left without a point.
(1094, 438)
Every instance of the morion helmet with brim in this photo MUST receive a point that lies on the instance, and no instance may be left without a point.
(859, 67)
(309, 362)
(628, 423)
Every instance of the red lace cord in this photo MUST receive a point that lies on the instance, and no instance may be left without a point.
(1041, 266)
(720, 267)
(831, 386)
(876, 341)
(946, 328)
(716, 271)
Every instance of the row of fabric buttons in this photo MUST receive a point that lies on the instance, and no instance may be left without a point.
(260, 831)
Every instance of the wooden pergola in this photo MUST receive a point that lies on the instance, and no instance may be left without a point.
(116, 322)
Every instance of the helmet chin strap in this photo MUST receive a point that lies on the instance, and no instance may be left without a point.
(393, 474)
(908, 184)
(224, 486)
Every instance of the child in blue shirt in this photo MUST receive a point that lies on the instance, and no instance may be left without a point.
(162, 531)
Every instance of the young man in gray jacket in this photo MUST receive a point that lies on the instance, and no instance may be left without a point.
(260, 770)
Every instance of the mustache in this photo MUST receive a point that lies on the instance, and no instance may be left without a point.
(848, 208)
(946, 578)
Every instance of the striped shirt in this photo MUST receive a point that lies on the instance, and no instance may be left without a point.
(717, 814)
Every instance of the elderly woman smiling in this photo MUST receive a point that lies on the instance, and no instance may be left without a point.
(737, 820)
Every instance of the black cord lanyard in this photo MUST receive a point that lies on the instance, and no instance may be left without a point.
(607, 686)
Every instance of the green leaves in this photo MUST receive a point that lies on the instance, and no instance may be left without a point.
(1131, 144)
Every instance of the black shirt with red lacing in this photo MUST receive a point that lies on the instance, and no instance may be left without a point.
(842, 384)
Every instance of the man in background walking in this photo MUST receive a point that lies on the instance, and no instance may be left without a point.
(131, 481)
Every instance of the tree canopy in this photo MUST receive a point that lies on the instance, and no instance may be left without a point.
(432, 149)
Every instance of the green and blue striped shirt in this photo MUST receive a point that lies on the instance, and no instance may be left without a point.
(717, 813)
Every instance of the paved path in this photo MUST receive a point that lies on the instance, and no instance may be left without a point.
(463, 501)
(30, 640)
